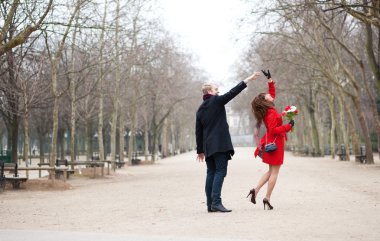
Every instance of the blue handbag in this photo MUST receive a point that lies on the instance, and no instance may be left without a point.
(270, 147)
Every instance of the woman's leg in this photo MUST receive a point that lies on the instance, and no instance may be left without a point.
(274, 170)
(263, 180)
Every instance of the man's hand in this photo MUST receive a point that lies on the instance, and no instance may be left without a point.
(201, 157)
(252, 77)
(267, 74)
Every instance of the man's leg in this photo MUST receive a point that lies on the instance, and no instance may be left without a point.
(210, 162)
(221, 162)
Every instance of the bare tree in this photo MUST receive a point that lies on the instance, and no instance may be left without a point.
(31, 13)
(55, 60)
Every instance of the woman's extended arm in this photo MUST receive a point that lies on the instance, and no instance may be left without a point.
(272, 127)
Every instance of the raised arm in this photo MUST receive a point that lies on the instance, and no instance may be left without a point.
(271, 87)
(224, 99)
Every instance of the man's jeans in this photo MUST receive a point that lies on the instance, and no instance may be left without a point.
(216, 171)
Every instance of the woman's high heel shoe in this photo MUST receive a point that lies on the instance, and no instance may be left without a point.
(267, 203)
(253, 197)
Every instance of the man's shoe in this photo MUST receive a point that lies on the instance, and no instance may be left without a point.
(220, 208)
(210, 210)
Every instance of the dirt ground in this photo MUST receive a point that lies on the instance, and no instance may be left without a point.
(314, 199)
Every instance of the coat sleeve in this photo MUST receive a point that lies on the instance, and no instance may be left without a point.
(272, 89)
(199, 135)
(257, 151)
(272, 127)
(224, 99)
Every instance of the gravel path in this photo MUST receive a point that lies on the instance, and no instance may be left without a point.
(315, 199)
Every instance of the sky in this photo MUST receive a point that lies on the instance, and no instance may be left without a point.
(209, 29)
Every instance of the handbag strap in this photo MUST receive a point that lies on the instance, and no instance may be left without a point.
(266, 139)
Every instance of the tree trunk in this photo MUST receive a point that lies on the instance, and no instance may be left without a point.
(100, 89)
(116, 103)
(121, 137)
(53, 145)
(26, 135)
(365, 130)
(41, 142)
(73, 95)
(146, 140)
(88, 139)
(54, 76)
(61, 143)
(333, 124)
(343, 128)
(314, 128)
(132, 131)
(130, 144)
(164, 140)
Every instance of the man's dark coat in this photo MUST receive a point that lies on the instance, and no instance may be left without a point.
(212, 130)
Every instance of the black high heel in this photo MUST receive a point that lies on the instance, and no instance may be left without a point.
(267, 203)
(253, 197)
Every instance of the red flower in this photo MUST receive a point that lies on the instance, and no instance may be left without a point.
(283, 113)
(296, 111)
(287, 108)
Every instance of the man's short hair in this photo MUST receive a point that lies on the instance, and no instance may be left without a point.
(206, 88)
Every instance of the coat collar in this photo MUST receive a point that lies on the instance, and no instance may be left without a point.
(206, 96)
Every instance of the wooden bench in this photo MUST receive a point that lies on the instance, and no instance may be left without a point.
(327, 150)
(64, 170)
(93, 164)
(95, 156)
(362, 158)
(15, 180)
(135, 160)
(118, 162)
(60, 172)
(342, 154)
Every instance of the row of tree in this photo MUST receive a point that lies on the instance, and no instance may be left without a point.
(93, 71)
(325, 58)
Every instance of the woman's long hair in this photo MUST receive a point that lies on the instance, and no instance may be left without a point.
(260, 107)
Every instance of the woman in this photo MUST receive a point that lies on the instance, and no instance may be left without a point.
(264, 111)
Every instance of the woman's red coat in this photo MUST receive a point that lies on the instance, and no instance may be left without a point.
(276, 132)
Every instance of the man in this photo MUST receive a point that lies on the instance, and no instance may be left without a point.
(214, 140)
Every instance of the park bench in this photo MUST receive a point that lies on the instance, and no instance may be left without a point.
(118, 162)
(135, 160)
(342, 154)
(362, 158)
(60, 172)
(92, 164)
(15, 180)
(314, 153)
(95, 156)
(327, 150)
